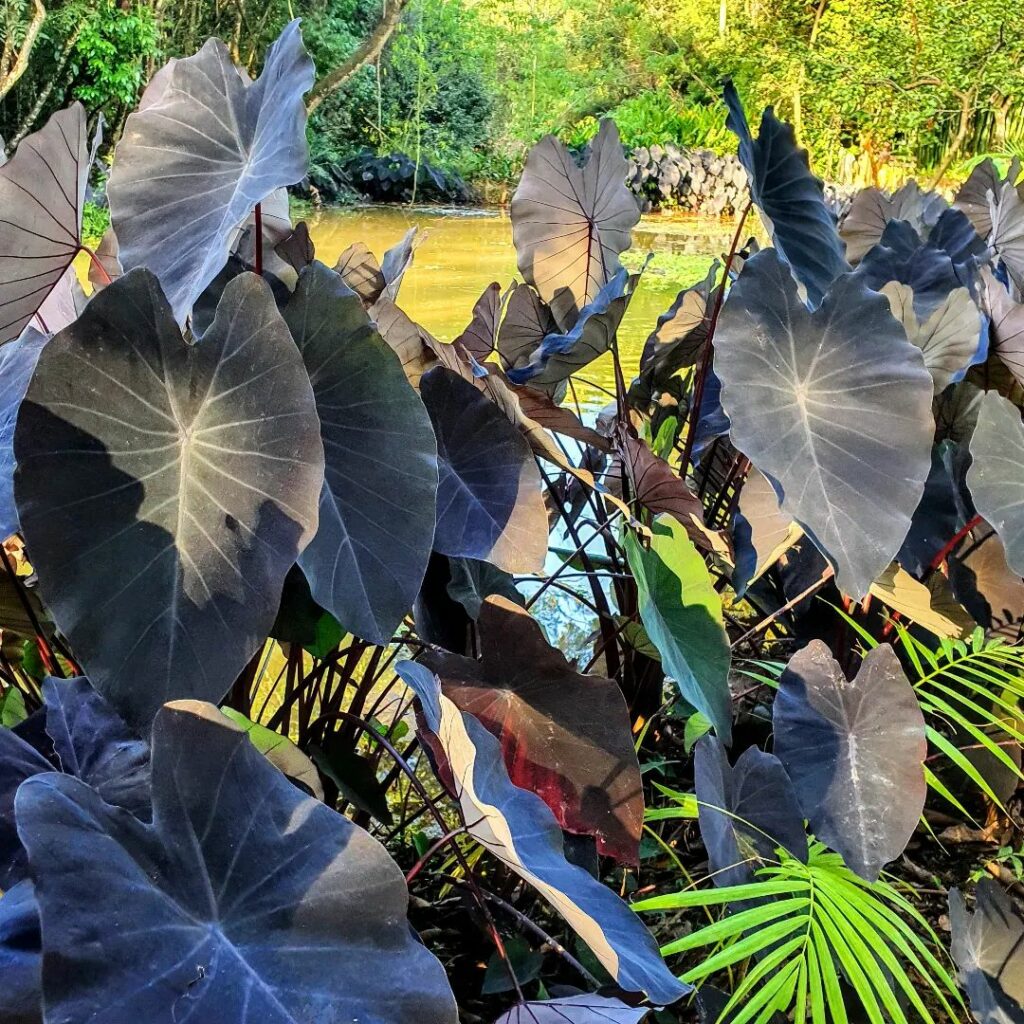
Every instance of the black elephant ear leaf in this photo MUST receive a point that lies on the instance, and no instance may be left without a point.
(196, 472)
(834, 406)
(92, 742)
(950, 338)
(84, 737)
(679, 335)
(109, 266)
(582, 1009)
(571, 222)
(1006, 320)
(517, 827)
(297, 249)
(271, 944)
(481, 335)
(1007, 235)
(973, 196)
(527, 322)
(872, 209)
(790, 198)
(565, 736)
(19, 760)
(855, 752)
(996, 476)
(405, 338)
(377, 507)
(42, 194)
(489, 502)
(559, 355)
(191, 166)
(17, 364)
(988, 949)
(746, 812)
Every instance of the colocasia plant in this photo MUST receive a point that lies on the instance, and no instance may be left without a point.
(256, 513)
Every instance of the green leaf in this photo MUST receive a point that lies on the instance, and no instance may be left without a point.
(12, 708)
(696, 726)
(279, 751)
(682, 614)
(354, 776)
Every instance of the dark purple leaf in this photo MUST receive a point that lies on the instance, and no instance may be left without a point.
(790, 198)
(582, 1009)
(377, 506)
(194, 469)
(21, 958)
(565, 736)
(42, 192)
(854, 750)
(746, 811)
(570, 222)
(833, 406)
(193, 163)
(245, 898)
(489, 503)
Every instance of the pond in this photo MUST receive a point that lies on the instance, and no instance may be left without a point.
(463, 251)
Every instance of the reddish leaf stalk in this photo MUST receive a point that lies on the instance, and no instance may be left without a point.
(95, 260)
(705, 363)
(971, 523)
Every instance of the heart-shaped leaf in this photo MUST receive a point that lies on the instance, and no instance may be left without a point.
(194, 161)
(194, 469)
(42, 192)
(988, 947)
(1006, 324)
(985, 585)
(582, 1009)
(790, 198)
(950, 338)
(679, 335)
(570, 222)
(517, 827)
(489, 503)
(377, 506)
(564, 736)
(746, 811)
(854, 750)
(560, 355)
(480, 337)
(996, 476)
(83, 737)
(1007, 236)
(247, 899)
(901, 256)
(973, 197)
(682, 613)
(527, 322)
(872, 209)
(834, 406)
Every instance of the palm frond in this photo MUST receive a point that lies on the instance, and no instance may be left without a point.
(801, 929)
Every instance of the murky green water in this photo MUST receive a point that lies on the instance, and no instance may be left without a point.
(464, 251)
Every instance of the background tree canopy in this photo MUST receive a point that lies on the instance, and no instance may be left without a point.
(877, 89)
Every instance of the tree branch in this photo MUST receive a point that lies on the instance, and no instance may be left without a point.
(11, 77)
(366, 53)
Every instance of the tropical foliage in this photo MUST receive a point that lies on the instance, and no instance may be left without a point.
(270, 666)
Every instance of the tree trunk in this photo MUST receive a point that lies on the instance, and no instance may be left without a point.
(366, 53)
(11, 75)
(966, 109)
(44, 95)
